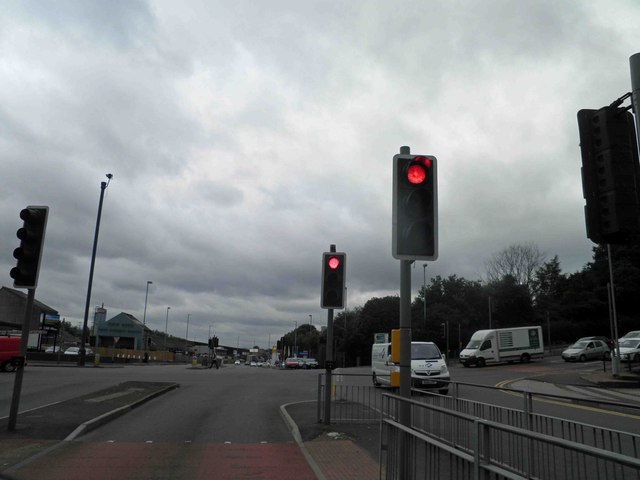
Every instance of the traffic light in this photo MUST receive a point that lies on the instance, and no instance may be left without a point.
(28, 254)
(333, 279)
(610, 174)
(415, 207)
(215, 342)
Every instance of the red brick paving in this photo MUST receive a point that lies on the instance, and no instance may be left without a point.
(124, 461)
(342, 460)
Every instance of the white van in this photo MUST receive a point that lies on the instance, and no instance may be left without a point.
(428, 368)
(503, 345)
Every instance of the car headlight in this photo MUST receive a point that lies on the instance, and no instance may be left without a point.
(443, 369)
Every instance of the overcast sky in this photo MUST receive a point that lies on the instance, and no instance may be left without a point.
(246, 137)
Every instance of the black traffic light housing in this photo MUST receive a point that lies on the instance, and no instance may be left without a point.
(415, 207)
(610, 174)
(334, 267)
(28, 254)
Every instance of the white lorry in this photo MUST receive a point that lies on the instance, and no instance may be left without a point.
(503, 345)
(428, 368)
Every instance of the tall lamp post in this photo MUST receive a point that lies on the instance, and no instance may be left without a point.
(85, 330)
(310, 333)
(166, 325)
(186, 342)
(295, 340)
(146, 296)
(144, 317)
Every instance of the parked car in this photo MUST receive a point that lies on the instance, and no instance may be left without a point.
(606, 340)
(76, 351)
(629, 350)
(293, 362)
(52, 350)
(631, 334)
(310, 363)
(9, 353)
(584, 350)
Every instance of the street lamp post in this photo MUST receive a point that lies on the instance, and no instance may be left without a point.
(186, 340)
(310, 333)
(166, 325)
(81, 357)
(144, 317)
(295, 340)
(146, 296)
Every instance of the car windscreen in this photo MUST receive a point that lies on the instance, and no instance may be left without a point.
(424, 351)
(580, 345)
(629, 344)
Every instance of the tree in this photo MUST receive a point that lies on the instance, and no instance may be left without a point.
(548, 285)
(511, 303)
(518, 261)
(460, 302)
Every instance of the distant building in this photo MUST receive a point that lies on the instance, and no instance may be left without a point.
(122, 331)
(12, 308)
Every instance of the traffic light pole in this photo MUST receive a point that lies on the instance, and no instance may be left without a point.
(328, 361)
(328, 385)
(634, 63)
(24, 340)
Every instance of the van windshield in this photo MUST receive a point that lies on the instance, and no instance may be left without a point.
(421, 351)
(473, 344)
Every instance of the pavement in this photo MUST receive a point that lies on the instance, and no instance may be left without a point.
(333, 452)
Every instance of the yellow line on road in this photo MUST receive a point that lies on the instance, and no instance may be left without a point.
(563, 404)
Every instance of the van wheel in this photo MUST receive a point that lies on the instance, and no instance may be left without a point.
(480, 362)
(525, 358)
(376, 383)
(9, 366)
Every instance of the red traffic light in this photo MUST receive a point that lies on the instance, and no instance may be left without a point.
(417, 170)
(416, 174)
(333, 263)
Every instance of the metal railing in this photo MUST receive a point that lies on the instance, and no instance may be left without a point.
(460, 446)
(353, 403)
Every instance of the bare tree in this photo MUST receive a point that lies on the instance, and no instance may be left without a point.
(519, 261)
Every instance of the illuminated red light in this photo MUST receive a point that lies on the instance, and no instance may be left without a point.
(334, 262)
(416, 174)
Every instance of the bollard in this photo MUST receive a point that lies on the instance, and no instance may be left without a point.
(96, 360)
(194, 362)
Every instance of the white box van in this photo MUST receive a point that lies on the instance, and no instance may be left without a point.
(428, 368)
(503, 345)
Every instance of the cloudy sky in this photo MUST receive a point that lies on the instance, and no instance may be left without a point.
(246, 137)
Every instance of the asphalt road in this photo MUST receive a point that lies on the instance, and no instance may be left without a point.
(236, 404)
(234, 413)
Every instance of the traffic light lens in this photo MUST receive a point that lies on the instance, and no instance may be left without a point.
(416, 174)
(334, 262)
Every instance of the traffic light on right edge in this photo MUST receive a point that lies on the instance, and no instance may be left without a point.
(415, 207)
(334, 265)
(610, 174)
(29, 253)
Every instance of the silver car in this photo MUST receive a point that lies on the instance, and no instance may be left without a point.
(629, 349)
(584, 350)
